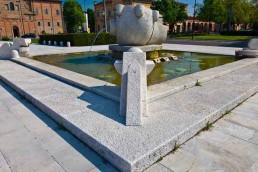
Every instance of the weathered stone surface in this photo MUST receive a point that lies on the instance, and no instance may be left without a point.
(248, 53)
(253, 44)
(134, 95)
(129, 58)
(24, 51)
(149, 66)
(15, 54)
(145, 48)
(137, 25)
(21, 42)
(5, 51)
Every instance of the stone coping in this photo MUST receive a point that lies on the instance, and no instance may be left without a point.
(155, 92)
(93, 119)
(96, 86)
(173, 86)
(202, 49)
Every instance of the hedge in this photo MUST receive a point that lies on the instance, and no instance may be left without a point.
(79, 39)
(240, 33)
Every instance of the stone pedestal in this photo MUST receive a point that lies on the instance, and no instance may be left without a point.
(151, 50)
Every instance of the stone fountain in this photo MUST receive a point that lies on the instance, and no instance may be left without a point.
(137, 26)
(139, 32)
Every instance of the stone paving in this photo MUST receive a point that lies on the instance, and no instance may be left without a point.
(31, 141)
(230, 145)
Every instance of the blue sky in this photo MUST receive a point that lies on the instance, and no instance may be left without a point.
(89, 4)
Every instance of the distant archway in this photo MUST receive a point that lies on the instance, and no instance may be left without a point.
(16, 32)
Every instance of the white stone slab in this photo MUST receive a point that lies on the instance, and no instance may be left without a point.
(134, 95)
(128, 58)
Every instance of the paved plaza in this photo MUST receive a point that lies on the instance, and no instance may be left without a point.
(31, 141)
(52, 119)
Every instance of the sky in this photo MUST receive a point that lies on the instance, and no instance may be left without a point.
(89, 4)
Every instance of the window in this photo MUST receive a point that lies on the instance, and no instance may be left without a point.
(6, 7)
(97, 14)
(36, 11)
(98, 28)
(109, 13)
(16, 7)
(57, 12)
(48, 23)
(39, 24)
(11, 6)
(58, 24)
(46, 11)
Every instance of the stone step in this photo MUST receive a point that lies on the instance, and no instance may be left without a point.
(93, 119)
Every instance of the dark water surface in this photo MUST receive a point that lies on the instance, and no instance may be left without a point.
(100, 65)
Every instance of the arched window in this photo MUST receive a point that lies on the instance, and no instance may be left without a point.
(11, 6)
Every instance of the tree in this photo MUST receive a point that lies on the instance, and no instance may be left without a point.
(171, 11)
(254, 14)
(91, 19)
(222, 11)
(73, 15)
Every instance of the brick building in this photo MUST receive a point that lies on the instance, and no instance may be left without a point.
(110, 13)
(18, 17)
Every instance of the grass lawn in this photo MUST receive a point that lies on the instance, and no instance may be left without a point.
(218, 37)
(35, 41)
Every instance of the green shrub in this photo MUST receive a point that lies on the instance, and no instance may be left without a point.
(240, 33)
(79, 39)
(6, 38)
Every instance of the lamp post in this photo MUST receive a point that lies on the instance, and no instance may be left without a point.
(104, 15)
(193, 26)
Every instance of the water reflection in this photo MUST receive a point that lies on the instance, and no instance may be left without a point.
(100, 65)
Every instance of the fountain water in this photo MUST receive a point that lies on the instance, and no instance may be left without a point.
(96, 38)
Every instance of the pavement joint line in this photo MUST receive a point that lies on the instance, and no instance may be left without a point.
(256, 145)
(5, 160)
(165, 167)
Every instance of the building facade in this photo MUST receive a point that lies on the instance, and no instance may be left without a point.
(18, 17)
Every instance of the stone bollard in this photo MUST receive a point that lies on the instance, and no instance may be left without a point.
(134, 70)
(55, 43)
(61, 43)
(44, 42)
(49, 43)
(15, 54)
(68, 44)
(135, 95)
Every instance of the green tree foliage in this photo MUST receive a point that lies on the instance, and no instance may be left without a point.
(226, 11)
(254, 14)
(73, 15)
(171, 11)
(91, 19)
